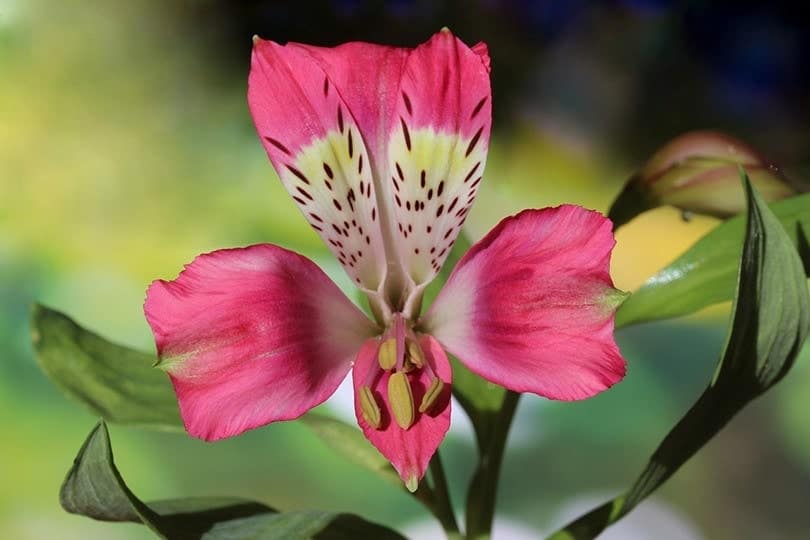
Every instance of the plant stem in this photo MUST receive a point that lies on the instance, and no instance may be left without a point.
(484, 485)
(443, 507)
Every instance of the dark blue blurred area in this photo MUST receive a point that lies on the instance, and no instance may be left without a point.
(736, 66)
(754, 56)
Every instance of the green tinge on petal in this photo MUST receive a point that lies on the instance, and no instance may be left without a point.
(613, 298)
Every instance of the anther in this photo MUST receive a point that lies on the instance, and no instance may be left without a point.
(369, 407)
(407, 366)
(387, 355)
(431, 394)
(415, 354)
(400, 398)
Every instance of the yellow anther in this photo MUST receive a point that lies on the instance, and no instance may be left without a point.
(407, 366)
(387, 355)
(431, 394)
(400, 398)
(369, 407)
(415, 354)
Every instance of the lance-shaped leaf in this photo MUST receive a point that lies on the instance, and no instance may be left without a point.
(771, 321)
(706, 273)
(117, 383)
(350, 442)
(94, 488)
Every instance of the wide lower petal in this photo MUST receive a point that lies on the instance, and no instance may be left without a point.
(531, 306)
(250, 336)
(408, 450)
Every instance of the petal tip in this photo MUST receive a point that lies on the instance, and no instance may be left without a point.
(412, 483)
(614, 298)
(482, 51)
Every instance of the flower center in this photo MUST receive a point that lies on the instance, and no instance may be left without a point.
(401, 363)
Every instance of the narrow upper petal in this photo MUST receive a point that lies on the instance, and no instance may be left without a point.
(408, 450)
(382, 148)
(367, 78)
(319, 152)
(437, 149)
(531, 306)
(250, 336)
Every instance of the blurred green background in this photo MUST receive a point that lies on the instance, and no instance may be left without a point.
(126, 149)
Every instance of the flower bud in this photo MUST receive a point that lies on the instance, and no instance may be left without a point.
(698, 172)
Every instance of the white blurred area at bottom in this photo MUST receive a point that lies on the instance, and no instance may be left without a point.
(651, 520)
(503, 529)
(525, 430)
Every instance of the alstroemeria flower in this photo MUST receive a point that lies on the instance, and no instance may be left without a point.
(383, 150)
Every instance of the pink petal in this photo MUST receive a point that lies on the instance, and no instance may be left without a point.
(367, 78)
(318, 150)
(445, 86)
(409, 451)
(531, 306)
(406, 111)
(250, 336)
(437, 149)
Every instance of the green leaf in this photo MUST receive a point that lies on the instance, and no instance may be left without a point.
(94, 488)
(115, 382)
(771, 322)
(350, 443)
(706, 273)
(301, 525)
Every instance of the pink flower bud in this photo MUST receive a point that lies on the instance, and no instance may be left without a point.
(699, 172)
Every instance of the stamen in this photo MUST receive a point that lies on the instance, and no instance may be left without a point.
(415, 354)
(400, 398)
(407, 366)
(431, 394)
(387, 354)
(369, 407)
